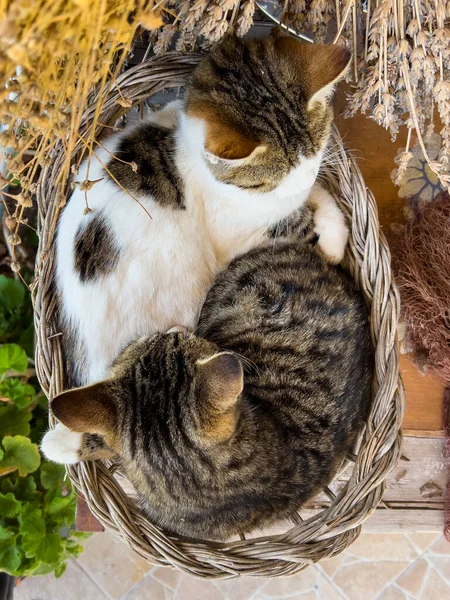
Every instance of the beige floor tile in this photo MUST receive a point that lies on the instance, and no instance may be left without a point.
(280, 587)
(167, 576)
(240, 588)
(441, 564)
(435, 587)
(326, 590)
(422, 541)
(191, 588)
(367, 579)
(73, 585)
(331, 565)
(383, 546)
(109, 565)
(412, 579)
(393, 593)
(143, 564)
(148, 589)
(441, 546)
(306, 596)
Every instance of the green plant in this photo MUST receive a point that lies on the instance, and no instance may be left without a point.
(37, 503)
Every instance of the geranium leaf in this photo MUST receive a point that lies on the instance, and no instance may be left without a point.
(10, 556)
(9, 507)
(52, 475)
(21, 454)
(14, 421)
(12, 293)
(12, 357)
(19, 393)
(24, 488)
(5, 534)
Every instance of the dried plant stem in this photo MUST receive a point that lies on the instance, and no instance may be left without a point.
(345, 16)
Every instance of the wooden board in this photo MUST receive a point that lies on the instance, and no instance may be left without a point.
(375, 153)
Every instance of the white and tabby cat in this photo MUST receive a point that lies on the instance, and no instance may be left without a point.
(214, 174)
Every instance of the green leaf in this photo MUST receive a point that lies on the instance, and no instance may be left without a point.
(49, 549)
(19, 393)
(24, 488)
(10, 556)
(19, 454)
(12, 357)
(58, 498)
(9, 507)
(5, 533)
(60, 570)
(12, 293)
(52, 475)
(36, 542)
(74, 548)
(14, 421)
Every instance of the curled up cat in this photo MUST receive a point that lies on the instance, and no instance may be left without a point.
(239, 425)
(180, 195)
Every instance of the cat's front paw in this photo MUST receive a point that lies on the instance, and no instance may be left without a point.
(60, 445)
(332, 241)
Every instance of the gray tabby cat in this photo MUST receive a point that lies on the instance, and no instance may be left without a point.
(238, 426)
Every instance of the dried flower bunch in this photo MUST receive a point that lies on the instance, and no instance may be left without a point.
(53, 53)
(204, 22)
(401, 54)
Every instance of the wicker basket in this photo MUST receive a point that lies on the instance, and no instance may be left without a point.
(333, 528)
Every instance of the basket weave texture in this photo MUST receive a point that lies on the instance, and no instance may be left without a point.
(334, 528)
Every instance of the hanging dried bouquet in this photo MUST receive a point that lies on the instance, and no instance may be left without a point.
(53, 54)
(401, 54)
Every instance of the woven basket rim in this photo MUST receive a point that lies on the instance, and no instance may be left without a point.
(368, 260)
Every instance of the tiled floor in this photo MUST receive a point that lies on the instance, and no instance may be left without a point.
(376, 566)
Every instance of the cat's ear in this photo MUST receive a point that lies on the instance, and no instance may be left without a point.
(223, 140)
(321, 67)
(88, 409)
(221, 380)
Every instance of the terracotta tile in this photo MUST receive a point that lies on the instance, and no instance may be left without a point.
(393, 593)
(240, 588)
(383, 546)
(109, 565)
(287, 586)
(441, 564)
(412, 579)
(191, 588)
(441, 546)
(147, 589)
(422, 541)
(435, 587)
(169, 577)
(367, 579)
(73, 585)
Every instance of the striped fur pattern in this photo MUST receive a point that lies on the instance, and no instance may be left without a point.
(230, 434)
(176, 197)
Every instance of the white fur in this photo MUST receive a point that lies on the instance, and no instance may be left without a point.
(330, 225)
(61, 445)
(167, 262)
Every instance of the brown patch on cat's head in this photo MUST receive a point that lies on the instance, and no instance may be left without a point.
(222, 138)
(258, 102)
(220, 383)
(89, 409)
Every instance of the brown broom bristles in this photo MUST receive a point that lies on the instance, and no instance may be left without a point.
(421, 261)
